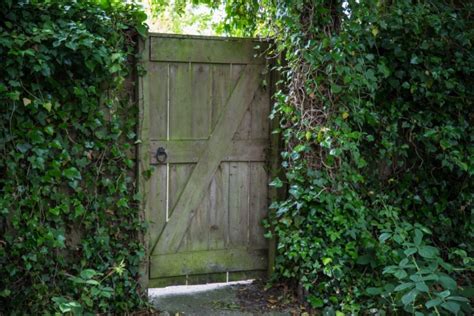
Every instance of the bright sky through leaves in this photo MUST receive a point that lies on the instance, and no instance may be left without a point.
(196, 19)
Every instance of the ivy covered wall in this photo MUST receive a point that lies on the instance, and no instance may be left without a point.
(69, 215)
(376, 114)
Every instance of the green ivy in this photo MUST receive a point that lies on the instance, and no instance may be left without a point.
(377, 121)
(69, 215)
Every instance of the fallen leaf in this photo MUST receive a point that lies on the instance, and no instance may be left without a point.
(26, 101)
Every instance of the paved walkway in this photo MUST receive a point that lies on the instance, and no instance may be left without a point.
(209, 299)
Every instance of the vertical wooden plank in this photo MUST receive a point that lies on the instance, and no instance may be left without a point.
(243, 132)
(221, 88)
(235, 73)
(219, 208)
(238, 204)
(200, 105)
(158, 90)
(197, 235)
(258, 205)
(157, 202)
(179, 176)
(180, 120)
(260, 108)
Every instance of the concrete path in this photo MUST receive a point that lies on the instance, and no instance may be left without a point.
(209, 299)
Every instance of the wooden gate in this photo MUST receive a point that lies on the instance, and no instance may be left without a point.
(204, 128)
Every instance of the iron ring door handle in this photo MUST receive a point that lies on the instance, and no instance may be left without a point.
(161, 155)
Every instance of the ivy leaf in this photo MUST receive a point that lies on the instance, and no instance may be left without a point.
(404, 286)
(5, 293)
(277, 183)
(409, 297)
(47, 106)
(336, 88)
(433, 302)
(374, 31)
(428, 252)
(374, 291)
(23, 148)
(55, 211)
(422, 287)
(384, 236)
(72, 174)
(409, 251)
(444, 294)
(400, 274)
(447, 282)
(459, 299)
(451, 306)
(315, 302)
(418, 237)
(299, 148)
(414, 60)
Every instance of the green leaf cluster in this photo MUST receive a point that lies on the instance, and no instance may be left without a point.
(376, 113)
(67, 129)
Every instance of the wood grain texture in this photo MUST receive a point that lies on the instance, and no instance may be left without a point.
(157, 202)
(239, 204)
(210, 113)
(221, 89)
(189, 151)
(258, 205)
(243, 132)
(260, 108)
(177, 49)
(158, 96)
(180, 120)
(199, 107)
(212, 261)
(218, 146)
(178, 178)
(219, 208)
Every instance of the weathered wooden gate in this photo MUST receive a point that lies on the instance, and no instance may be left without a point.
(204, 128)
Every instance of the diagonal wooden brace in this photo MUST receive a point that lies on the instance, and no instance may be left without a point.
(219, 145)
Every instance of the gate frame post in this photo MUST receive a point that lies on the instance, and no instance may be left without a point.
(274, 161)
(143, 164)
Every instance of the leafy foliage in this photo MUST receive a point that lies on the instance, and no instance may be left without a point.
(376, 114)
(377, 122)
(67, 125)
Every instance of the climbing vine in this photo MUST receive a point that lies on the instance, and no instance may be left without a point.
(69, 216)
(377, 122)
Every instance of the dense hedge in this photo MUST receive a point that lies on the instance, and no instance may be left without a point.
(69, 220)
(377, 119)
